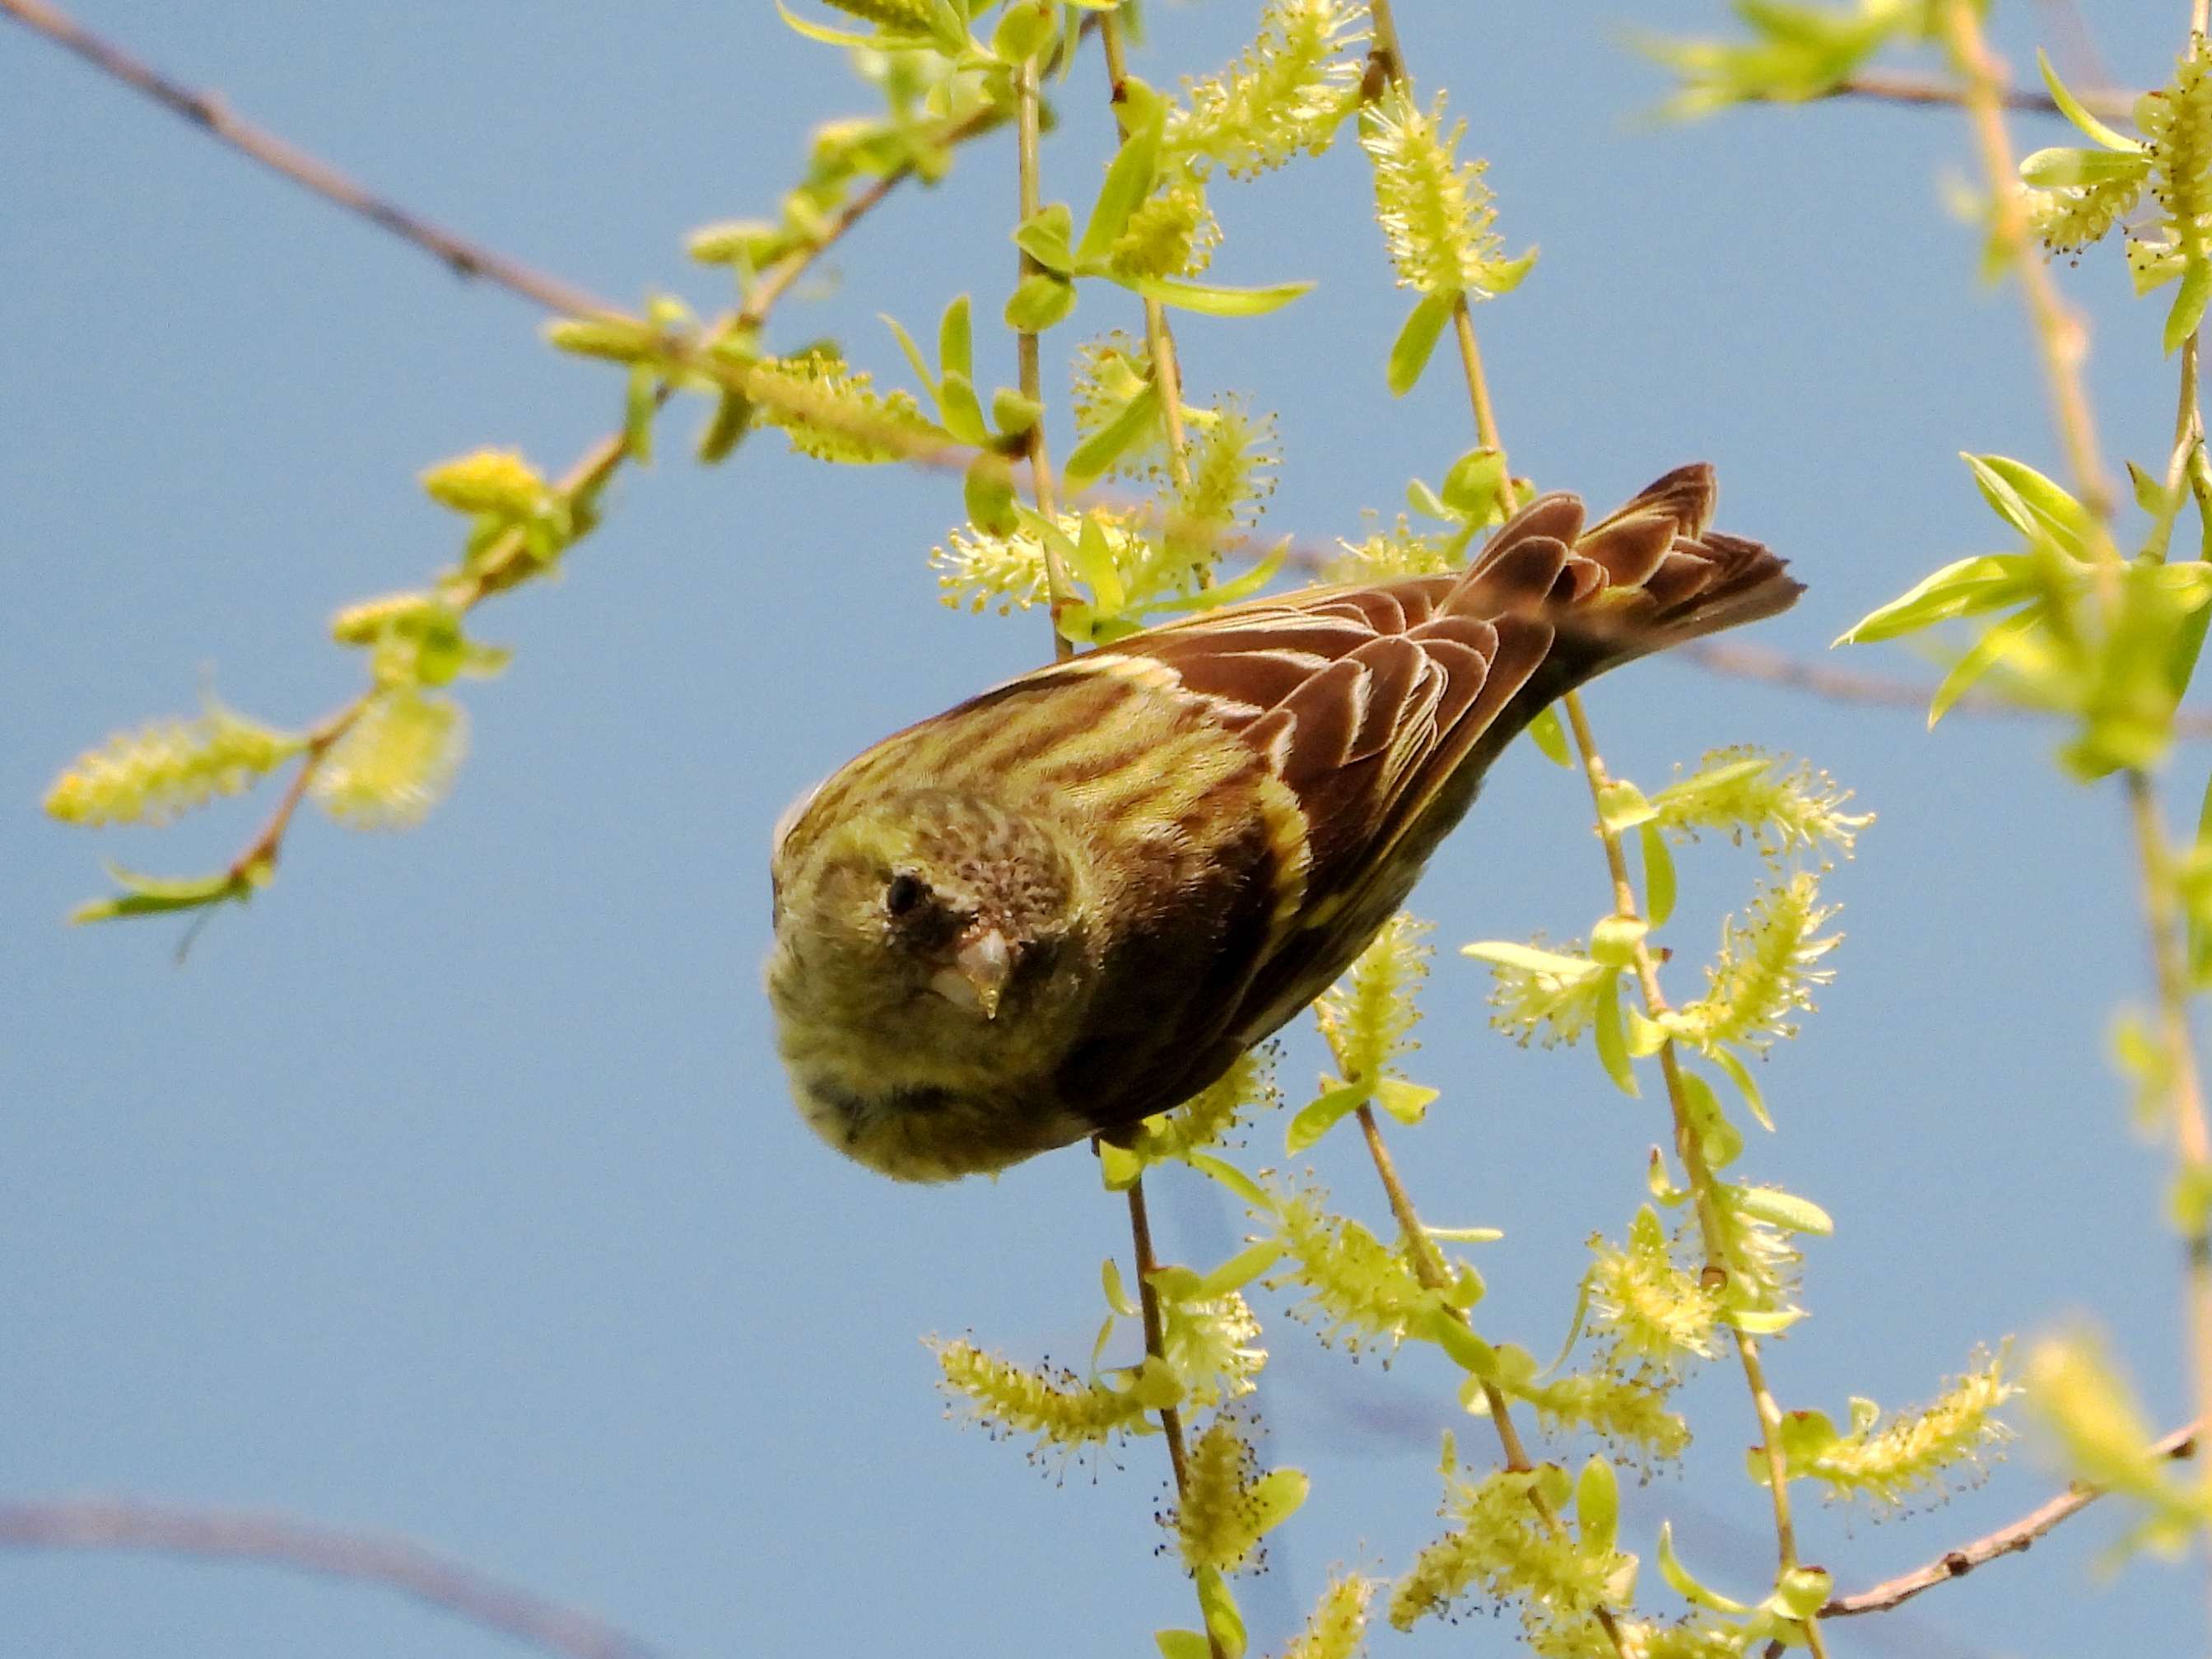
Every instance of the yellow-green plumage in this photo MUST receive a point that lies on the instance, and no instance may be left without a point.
(1072, 901)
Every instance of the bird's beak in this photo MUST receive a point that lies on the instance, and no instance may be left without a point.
(976, 976)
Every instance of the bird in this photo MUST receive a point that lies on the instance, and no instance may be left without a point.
(1074, 900)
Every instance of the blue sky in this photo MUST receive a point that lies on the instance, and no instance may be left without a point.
(452, 1189)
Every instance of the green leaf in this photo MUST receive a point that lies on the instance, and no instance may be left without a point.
(2039, 508)
(1469, 1352)
(1226, 1174)
(1117, 1296)
(150, 895)
(1550, 737)
(1646, 1037)
(1408, 1102)
(1094, 563)
(1991, 581)
(1656, 1177)
(1597, 1508)
(1740, 1074)
(1718, 1139)
(913, 352)
(1784, 1210)
(988, 491)
(1026, 30)
(1174, 1284)
(2189, 304)
(955, 340)
(1473, 485)
(1223, 1622)
(1612, 1039)
(2071, 169)
(1014, 415)
(726, 427)
(1621, 805)
(1801, 1592)
(1324, 1114)
(2070, 107)
(1212, 301)
(1044, 237)
(1239, 1270)
(1128, 181)
(828, 37)
(1570, 970)
(1680, 1581)
(948, 29)
(1762, 1324)
(1614, 939)
(964, 413)
(1416, 341)
(1040, 302)
(1276, 1497)
(1423, 500)
(1095, 456)
(1658, 874)
(1118, 1167)
(1182, 1644)
(639, 405)
(1985, 653)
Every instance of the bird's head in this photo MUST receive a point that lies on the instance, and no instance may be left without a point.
(931, 897)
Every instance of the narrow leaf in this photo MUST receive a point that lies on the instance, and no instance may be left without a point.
(2189, 304)
(1128, 181)
(1612, 1039)
(1784, 1210)
(1416, 341)
(955, 340)
(2070, 107)
(1550, 737)
(1212, 301)
(1740, 1074)
(1323, 1115)
(1095, 456)
(1658, 875)
(1984, 654)
(1680, 1581)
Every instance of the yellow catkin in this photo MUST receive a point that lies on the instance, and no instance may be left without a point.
(1058, 1408)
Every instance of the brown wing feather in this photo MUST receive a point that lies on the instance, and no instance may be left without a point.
(1381, 707)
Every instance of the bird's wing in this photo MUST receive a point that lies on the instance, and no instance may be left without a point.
(1381, 706)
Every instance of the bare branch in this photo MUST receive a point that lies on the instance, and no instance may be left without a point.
(206, 110)
(123, 1523)
(1754, 662)
(2110, 103)
(2006, 1541)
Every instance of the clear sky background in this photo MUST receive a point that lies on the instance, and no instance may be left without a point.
(452, 1190)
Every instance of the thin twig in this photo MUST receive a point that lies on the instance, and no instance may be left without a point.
(206, 110)
(1759, 662)
(2005, 1541)
(2061, 337)
(2109, 104)
(123, 1523)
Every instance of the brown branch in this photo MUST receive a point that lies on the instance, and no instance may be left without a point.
(1757, 662)
(2006, 1541)
(123, 1523)
(2107, 102)
(206, 110)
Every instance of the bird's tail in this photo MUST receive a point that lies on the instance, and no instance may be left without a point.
(1650, 576)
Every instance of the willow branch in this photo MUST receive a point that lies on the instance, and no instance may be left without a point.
(2005, 1541)
(2109, 104)
(393, 1564)
(207, 111)
(2062, 337)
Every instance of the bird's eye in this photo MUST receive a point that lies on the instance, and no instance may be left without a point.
(904, 892)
